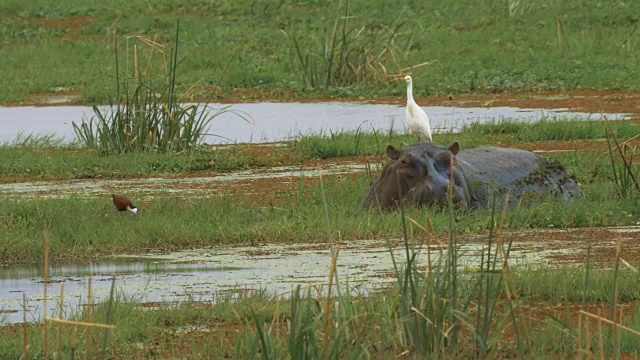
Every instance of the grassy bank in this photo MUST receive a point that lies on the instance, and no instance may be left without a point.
(42, 159)
(475, 46)
(66, 163)
(86, 227)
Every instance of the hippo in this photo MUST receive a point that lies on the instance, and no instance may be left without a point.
(420, 174)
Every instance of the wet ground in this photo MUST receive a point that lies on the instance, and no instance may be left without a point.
(250, 182)
(200, 274)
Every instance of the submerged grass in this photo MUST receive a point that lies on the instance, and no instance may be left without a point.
(34, 141)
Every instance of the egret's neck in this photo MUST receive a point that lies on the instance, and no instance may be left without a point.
(410, 90)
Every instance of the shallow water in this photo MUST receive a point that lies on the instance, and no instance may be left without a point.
(285, 121)
(201, 273)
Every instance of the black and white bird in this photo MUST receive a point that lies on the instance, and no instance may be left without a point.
(123, 203)
(416, 119)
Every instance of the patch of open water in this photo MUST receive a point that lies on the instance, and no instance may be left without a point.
(286, 121)
(200, 274)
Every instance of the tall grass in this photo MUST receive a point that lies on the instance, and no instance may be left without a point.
(626, 175)
(31, 140)
(371, 325)
(439, 312)
(151, 116)
(350, 53)
(435, 311)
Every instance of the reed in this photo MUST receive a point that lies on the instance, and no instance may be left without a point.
(350, 53)
(149, 115)
(625, 173)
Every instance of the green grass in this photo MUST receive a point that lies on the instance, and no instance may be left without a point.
(148, 115)
(87, 227)
(63, 163)
(475, 46)
(90, 227)
(552, 129)
(32, 141)
(363, 142)
(44, 157)
(445, 312)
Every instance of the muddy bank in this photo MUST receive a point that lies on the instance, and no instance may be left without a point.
(583, 100)
(263, 184)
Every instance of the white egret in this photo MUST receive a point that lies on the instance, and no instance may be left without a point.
(416, 119)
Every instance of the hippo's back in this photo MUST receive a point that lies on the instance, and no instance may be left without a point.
(496, 165)
(516, 171)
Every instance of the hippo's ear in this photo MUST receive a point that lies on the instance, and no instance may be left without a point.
(454, 148)
(392, 152)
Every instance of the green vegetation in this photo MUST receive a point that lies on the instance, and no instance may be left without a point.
(495, 312)
(552, 129)
(34, 141)
(148, 117)
(61, 163)
(298, 48)
(491, 311)
(281, 47)
(42, 157)
(361, 142)
(87, 227)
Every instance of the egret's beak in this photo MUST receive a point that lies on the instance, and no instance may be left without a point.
(396, 77)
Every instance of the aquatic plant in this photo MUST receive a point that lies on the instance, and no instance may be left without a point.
(151, 116)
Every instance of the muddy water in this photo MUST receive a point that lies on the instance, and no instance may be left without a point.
(200, 274)
(284, 121)
(190, 186)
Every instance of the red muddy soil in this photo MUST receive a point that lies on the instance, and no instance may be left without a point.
(590, 101)
(71, 24)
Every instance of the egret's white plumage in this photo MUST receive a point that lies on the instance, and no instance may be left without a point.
(416, 119)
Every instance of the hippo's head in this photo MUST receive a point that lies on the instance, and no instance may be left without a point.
(419, 174)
